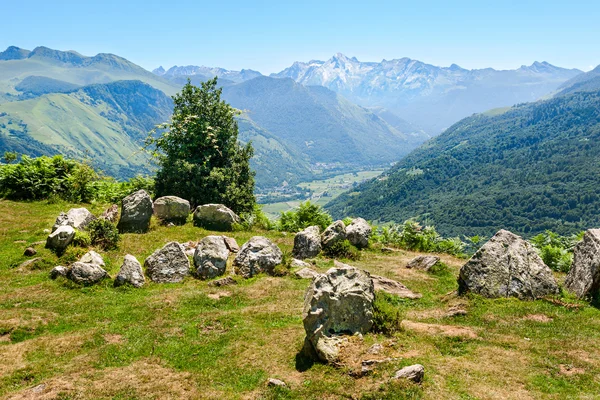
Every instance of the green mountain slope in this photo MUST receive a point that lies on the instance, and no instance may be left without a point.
(105, 122)
(534, 167)
(319, 124)
(587, 82)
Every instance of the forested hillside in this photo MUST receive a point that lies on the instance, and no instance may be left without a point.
(531, 168)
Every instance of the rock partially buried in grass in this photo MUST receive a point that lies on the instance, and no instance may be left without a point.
(136, 213)
(276, 383)
(210, 257)
(78, 218)
(337, 303)
(60, 238)
(30, 251)
(334, 233)
(172, 209)
(393, 287)
(223, 282)
(414, 373)
(215, 217)
(57, 271)
(359, 232)
(423, 263)
(131, 273)
(507, 266)
(306, 273)
(168, 264)
(86, 273)
(257, 255)
(91, 257)
(307, 243)
(584, 276)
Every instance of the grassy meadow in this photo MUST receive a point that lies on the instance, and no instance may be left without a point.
(192, 340)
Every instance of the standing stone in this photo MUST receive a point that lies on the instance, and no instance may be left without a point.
(210, 258)
(507, 266)
(91, 257)
(60, 238)
(231, 244)
(339, 302)
(78, 218)
(111, 214)
(172, 209)
(359, 232)
(86, 273)
(423, 263)
(307, 243)
(215, 217)
(257, 255)
(584, 276)
(136, 212)
(130, 272)
(334, 233)
(168, 265)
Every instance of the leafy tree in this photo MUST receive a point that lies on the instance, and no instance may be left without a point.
(198, 152)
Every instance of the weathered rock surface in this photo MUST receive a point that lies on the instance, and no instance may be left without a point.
(91, 257)
(359, 232)
(57, 271)
(231, 244)
(60, 238)
(334, 233)
(306, 273)
(299, 264)
(257, 255)
(172, 209)
(215, 217)
(339, 302)
(86, 273)
(584, 276)
(394, 287)
(168, 265)
(136, 213)
(413, 373)
(276, 382)
(423, 263)
(78, 218)
(130, 272)
(507, 266)
(210, 258)
(111, 214)
(307, 243)
(223, 282)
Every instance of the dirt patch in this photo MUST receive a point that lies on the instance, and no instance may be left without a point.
(442, 330)
(111, 338)
(538, 318)
(569, 370)
(24, 318)
(218, 295)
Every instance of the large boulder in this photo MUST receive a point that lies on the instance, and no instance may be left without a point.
(359, 232)
(86, 273)
(136, 212)
(334, 233)
(307, 243)
(215, 217)
(168, 265)
(210, 258)
(507, 266)
(339, 302)
(257, 255)
(584, 276)
(130, 272)
(60, 238)
(172, 209)
(78, 218)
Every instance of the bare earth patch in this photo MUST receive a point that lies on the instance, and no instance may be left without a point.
(569, 370)
(538, 318)
(442, 330)
(113, 338)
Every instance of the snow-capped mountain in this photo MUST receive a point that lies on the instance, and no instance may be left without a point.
(206, 73)
(429, 96)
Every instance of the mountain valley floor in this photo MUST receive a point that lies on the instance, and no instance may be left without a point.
(191, 340)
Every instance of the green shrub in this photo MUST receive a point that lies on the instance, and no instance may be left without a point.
(82, 239)
(71, 254)
(255, 220)
(342, 249)
(306, 215)
(285, 266)
(104, 234)
(556, 251)
(386, 314)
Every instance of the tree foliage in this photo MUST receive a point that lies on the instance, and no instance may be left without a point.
(199, 156)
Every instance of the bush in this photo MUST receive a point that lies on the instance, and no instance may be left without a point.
(386, 314)
(82, 239)
(255, 220)
(306, 215)
(556, 251)
(342, 249)
(104, 234)
(285, 266)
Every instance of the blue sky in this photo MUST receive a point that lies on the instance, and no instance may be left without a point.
(269, 35)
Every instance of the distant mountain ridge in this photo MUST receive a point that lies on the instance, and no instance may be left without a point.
(429, 96)
(206, 73)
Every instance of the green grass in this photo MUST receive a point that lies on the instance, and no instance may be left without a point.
(174, 341)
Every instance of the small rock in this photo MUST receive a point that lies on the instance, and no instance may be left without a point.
(334, 233)
(60, 238)
(276, 382)
(388, 250)
(413, 373)
(136, 212)
(172, 209)
(231, 244)
(394, 287)
(168, 264)
(39, 388)
(26, 264)
(111, 214)
(423, 263)
(215, 217)
(306, 273)
(130, 272)
(58, 271)
(359, 232)
(299, 264)
(455, 312)
(257, 255)
(223, 282)
(86, 274)
(210, 257)
(307, 243)
(30, 251)
(375, 349)
(91, 257)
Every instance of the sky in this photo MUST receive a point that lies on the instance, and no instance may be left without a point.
(269, 36)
